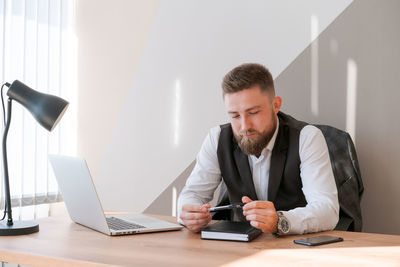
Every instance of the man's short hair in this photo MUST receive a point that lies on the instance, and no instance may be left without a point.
(247, 76)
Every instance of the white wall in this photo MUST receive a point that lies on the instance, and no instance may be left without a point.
(143, 121)
(111, 38)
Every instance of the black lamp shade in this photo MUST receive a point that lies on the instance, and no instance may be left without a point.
(46, 109)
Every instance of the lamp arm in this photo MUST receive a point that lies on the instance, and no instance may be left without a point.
(5, 165)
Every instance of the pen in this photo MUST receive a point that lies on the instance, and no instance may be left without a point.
(227, 207)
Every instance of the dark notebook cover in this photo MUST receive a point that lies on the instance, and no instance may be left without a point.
(228, 230)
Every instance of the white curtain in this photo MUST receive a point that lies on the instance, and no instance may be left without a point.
(37, 47)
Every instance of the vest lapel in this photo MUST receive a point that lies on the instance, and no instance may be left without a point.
(242, 162)
(278, 159)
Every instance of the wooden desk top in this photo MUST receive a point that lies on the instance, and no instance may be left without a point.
(60, 242)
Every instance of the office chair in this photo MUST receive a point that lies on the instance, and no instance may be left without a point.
(347, 176)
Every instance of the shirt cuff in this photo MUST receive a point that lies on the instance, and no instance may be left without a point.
(294, 227)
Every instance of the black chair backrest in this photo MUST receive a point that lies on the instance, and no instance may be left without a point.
(347, 176)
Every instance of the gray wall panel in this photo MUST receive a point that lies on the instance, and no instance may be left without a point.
(368, 33)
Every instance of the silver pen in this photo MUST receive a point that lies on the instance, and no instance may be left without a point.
(227, 207)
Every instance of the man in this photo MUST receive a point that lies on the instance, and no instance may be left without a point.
(278, 166)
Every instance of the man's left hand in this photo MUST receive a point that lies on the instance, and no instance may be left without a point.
(261, 214)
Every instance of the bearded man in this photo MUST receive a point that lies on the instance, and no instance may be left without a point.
(277, 166)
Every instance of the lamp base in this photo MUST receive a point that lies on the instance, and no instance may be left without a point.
(18, 228)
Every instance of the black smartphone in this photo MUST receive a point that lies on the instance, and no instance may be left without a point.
(318, 240)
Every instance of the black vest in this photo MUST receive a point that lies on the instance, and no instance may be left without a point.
(284, 187)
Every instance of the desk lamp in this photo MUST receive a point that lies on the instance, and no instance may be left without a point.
(47, 110)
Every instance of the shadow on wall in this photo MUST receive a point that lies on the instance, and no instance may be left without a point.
(166, 202)
(348, 78)
(358, 90)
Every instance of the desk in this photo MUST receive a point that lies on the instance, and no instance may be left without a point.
(60, 242)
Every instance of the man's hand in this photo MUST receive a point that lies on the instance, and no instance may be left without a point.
(195, 217)
(261, 214)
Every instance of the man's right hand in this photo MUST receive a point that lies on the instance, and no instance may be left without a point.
(195, 217)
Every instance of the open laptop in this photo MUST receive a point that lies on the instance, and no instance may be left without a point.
(84, 207)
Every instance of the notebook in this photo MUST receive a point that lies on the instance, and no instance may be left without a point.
(228, 230)
(84, 207)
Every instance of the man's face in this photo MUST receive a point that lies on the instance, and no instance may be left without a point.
(253, 118)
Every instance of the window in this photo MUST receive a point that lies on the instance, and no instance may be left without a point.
(38, 47)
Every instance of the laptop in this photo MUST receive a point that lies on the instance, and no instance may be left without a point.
(84, 207)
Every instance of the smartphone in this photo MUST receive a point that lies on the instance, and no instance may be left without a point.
(318, 240)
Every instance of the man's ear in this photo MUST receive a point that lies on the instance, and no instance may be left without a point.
(277, 103)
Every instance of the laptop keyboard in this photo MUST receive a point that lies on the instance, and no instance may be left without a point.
(118, 224)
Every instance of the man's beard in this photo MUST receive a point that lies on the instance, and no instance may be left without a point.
(255, 145)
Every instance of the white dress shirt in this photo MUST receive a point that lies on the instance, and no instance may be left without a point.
(319, 188)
